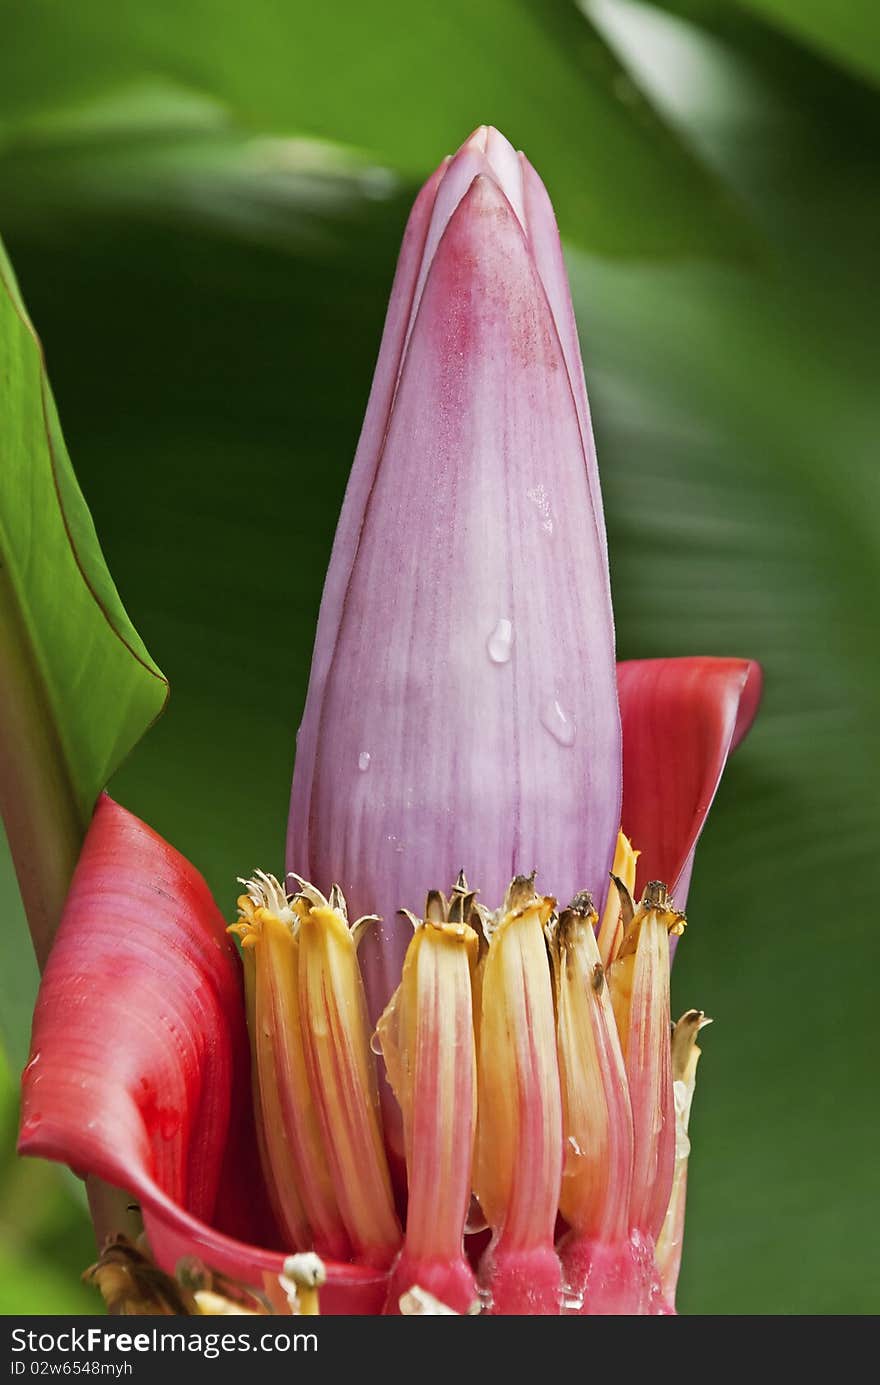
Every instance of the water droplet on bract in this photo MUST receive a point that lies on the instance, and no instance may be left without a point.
(575, 1147)
(572, 1301)
(486, 1301)
(364, 761)
(32, 1063)
(556, 720)
(500, 643)
(376, 1044)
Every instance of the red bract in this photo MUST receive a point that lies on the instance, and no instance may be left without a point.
(681, 719)
(139, 1060)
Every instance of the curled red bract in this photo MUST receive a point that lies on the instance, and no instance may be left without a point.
(139, 1067)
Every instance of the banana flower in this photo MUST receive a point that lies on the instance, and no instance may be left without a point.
(442, 1055)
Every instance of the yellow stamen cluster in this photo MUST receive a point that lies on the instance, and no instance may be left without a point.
(528, 1050)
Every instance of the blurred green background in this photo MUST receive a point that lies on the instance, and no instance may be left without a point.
(203, 203)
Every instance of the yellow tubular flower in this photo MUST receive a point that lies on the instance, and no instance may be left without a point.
(342, 1073)
(597, 1121)
(290, 1136)
(427, 1038)
(639, 984)
(518, 1167)
(613, 922)
(685, 1056)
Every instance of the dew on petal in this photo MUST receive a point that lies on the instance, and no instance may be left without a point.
(500, 643)
(557, 721)
(364, 761)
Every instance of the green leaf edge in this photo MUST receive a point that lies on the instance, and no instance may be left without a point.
(72, 507)
(46, 803)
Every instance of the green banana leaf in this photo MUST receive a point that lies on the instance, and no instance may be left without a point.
(849, 31)
(139, 82)
(846, 32)
(79, 687)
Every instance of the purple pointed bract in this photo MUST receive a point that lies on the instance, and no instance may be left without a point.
(462, 709)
